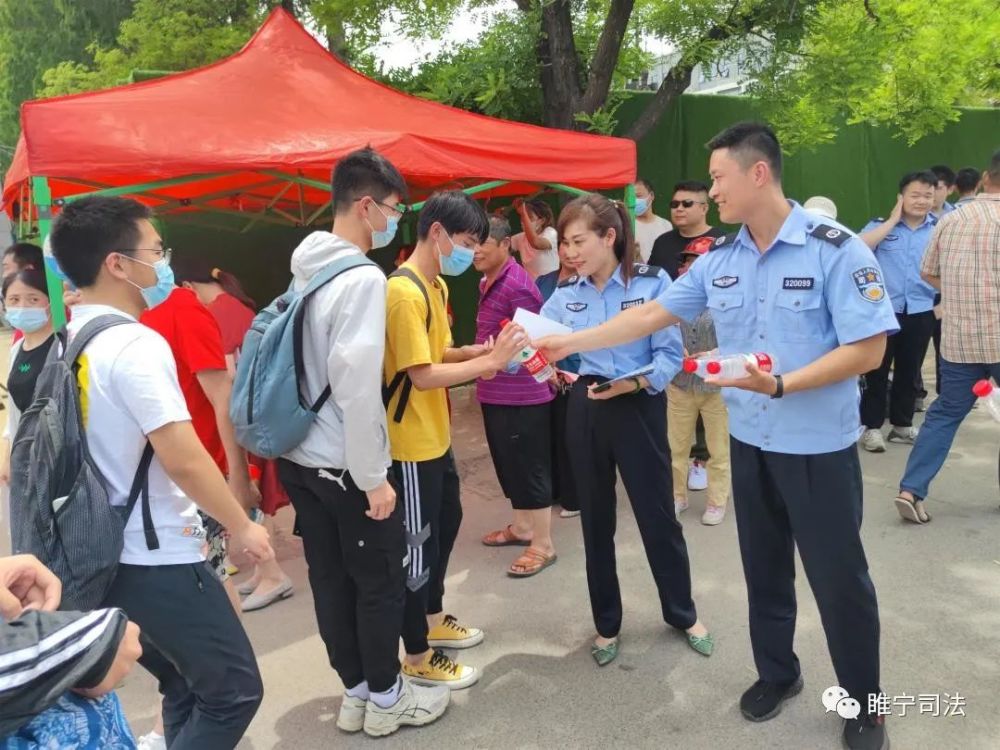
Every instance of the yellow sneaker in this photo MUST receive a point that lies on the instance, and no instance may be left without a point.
(449, 634)
(440, 669)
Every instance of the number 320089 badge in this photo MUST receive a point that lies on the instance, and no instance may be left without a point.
(868, 280)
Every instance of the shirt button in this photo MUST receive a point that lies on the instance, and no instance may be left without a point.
(761, 299)
(760, 336)
(797, 303)
(361, 542)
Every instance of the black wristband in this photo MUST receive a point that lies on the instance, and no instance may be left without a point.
(638, 385)
(779, 390)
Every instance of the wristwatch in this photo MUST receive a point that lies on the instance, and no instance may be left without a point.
(779, 390)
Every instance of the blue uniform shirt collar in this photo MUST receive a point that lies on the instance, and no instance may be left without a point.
(792, 232)
(929, 220)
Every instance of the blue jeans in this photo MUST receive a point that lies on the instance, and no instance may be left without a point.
(941, 423)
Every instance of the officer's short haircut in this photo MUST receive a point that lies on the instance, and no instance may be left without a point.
(364, 173)
(994, 168)
(750, 142)
(457, 213)
(944, 173)
(646, 184)
(90, 229)
(924, 176)
(499, 229)
(691, 186)
(966, 179)
(25, 255)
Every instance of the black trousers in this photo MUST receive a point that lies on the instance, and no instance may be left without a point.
(194, 645)
(520, 440)
(563, 484)
(432, 506)
(904, 353)
(813, 502)
(699, 450)
(628, 433)
(356, 571)
(936, 338)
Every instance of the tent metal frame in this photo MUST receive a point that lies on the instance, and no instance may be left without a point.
(36, 194)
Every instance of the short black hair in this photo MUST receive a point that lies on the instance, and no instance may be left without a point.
(923, 176)
(944, 174)
(967, 179)
(499, 228)
(25, 255)
(750, 142)
(457, 213)
(646, 184)
(30, 275)
(691, 186)
(365, 173)
(88, 230)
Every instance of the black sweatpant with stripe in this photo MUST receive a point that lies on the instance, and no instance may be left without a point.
(432, 505)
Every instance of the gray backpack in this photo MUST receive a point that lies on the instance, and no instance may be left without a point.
(59, 505)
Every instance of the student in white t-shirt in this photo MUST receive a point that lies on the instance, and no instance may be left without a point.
(538, 244)
(193, 642)
(648, 226)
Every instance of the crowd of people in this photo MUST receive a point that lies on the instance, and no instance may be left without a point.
(374, 483)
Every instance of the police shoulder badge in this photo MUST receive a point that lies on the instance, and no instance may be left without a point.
(868, 280)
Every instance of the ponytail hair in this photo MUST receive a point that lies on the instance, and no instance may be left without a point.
(196, 271)
(602, 215)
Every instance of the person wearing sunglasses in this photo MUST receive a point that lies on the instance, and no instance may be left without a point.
(689, 213)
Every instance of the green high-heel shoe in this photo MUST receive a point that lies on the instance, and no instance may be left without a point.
(604, 655)
(703, 644)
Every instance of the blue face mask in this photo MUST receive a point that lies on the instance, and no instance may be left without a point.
(458, 262)
(641, 206)
(387, 235)
(27, 319)
(158, 293)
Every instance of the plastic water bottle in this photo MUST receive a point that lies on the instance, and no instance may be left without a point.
(991, 395)
(532, 359)
(734, 366)
(699, 366)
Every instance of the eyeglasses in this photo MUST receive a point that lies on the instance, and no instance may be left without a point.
(162, 253)
(685, 203)
(399, 210)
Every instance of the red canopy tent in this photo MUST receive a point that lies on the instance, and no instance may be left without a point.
(259, 132)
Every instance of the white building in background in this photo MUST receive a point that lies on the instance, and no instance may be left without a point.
(730, 75)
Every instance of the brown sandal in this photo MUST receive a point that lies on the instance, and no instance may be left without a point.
(912, 510)
(504, 538)
(532, 562)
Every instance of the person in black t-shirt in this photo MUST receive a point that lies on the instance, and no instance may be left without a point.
(26, 307)
(688, 210)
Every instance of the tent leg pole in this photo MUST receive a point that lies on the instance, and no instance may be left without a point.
(41, 197)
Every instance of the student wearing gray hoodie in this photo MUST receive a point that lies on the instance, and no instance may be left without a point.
(352, 527)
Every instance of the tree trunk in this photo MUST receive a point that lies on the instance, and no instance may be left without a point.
(609, 47)
(560, 66)
(676, 82)
(289, 5)
(336, 41)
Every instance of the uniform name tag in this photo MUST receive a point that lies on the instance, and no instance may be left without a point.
(724, 282)
(576, 306)
(626, 304)
(798, 282)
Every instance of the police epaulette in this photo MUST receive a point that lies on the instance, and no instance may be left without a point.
(568, 282)
(834, 236)
(644, 269)
(726, 239)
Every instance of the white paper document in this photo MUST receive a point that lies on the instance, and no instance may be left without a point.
(537, 326)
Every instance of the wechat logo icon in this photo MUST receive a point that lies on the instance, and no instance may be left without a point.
(836, 699)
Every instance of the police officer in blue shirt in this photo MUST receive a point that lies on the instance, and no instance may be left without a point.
(809, 293)
(621, 424)
(899, 245)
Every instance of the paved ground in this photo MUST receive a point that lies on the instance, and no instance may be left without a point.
(938, 593)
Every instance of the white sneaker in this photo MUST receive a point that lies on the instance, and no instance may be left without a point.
(713, 515)
(906, 435)
(873, 442)
(680, 506)
(568, 513)
(416, 707)
(352, 714)
(697, 476)
(152, 741)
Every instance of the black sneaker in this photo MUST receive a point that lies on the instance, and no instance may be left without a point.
(866, 733)
(763, 700)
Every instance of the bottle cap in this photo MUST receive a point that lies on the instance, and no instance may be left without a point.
(713, 367)
(254, 472)
(983, 388)
(504, 322)
(690, 365)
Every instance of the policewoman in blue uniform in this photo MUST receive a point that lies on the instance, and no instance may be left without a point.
(623, 425)
(810, 293)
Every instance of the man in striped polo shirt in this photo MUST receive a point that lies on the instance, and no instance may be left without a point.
(516, 410)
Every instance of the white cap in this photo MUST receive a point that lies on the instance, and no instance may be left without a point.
(821, 205)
